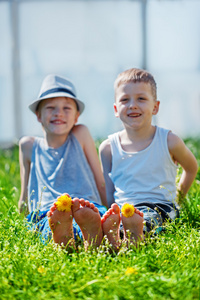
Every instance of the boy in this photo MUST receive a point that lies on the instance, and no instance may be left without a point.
(140, 162)
(65, 160)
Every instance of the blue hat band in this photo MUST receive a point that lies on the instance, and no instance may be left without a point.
(55, 90)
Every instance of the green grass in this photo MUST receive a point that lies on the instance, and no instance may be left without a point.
(165, 267)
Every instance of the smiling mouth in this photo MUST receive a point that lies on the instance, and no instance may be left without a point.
(58, 122)
(134, 115)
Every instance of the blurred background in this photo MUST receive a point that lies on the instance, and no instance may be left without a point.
(90, 42)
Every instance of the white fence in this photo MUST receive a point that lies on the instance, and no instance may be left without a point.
(90, 42)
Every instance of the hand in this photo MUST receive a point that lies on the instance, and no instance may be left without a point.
(23, 208)
(180, 196)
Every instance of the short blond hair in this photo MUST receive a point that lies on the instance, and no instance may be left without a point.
(136, 75)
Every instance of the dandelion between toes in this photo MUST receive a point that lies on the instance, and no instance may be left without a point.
(132, 220)
(93, 227)
(84, 213)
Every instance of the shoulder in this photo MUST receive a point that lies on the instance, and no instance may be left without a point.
(80, 129)
(174, 142)
(181, 153)
(105, 150)
(162, 132)
(177, 148)
(82, 134)
(105, 156)
(26, 146)
(105, 147)
(26, 142)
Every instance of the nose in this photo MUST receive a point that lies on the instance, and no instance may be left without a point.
(58, 111)
(132, 103)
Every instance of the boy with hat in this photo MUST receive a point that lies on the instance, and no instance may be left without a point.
(65, 160)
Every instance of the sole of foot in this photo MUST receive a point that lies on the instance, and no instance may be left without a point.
(133, 227)
(88, 218)
(110, 224)
(60, 223)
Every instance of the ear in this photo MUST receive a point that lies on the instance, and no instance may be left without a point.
(156, 107)
(76, 117)
(116, 111)
(38, 114)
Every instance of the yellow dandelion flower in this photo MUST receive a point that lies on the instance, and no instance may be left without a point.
(64, 203)
(130, 271)
(128, 210)
(41, 270)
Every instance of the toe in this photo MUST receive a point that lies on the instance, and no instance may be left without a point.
(82, 202)
(49, 214)
(87, 203)
(53, 207)
(137, 211)
(95, 209)
(115, 208)
(92, 205)
(76, 204)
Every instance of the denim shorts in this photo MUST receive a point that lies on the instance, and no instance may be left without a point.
(155, 214)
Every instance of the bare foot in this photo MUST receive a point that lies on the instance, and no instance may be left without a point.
(133, 227)
(60, 223)
(88, 218)
(110, 224)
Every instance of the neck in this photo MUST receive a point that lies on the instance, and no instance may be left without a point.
(55, 141)
(133, 141)
(141, 134)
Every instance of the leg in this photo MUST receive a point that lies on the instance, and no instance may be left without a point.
(133, 227)
(153, 217)
(88, 218)
(60, 223)
(110, 224)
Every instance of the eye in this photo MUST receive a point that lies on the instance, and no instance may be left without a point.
(67, 107)
(141, 99)
(49, 107)
(123, 100)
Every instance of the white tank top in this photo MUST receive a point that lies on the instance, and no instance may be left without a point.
(147, 175)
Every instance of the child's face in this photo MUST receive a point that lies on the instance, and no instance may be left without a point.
(135, 104)
(58, 115)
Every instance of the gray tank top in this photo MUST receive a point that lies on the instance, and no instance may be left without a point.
(57, 171)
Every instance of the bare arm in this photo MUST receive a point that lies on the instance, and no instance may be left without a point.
(83, 136)
(188, 162)
(25, 151)
(106, 162)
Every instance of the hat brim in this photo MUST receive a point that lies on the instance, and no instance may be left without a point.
(33, 106)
